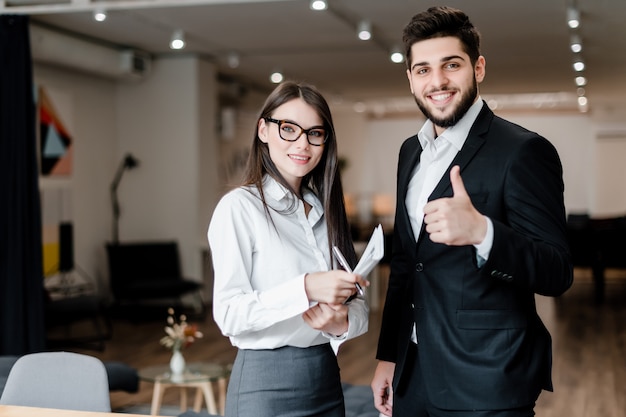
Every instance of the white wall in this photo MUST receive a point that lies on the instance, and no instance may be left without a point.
(590, 186)
(609, 189)
(86, 105)
(168, 122)
(573, 137)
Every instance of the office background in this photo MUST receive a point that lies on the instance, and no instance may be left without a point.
(168, 122)
(189, 124)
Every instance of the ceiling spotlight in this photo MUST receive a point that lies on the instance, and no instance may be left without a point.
(573, 17)
(364, 30)
(579, 66)
(576, 44)
(396, 56)
(233, 60)
(276, 77)
(581, 81)
(99, 15)
(178, 39)
(582, 101)
(318, 5)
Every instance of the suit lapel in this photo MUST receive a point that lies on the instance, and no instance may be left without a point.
(406, 167)
(475, 139)
(473, 143)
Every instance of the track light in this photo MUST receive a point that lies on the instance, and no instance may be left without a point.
(364, 30)
(318, 5)
(573, 17)
(276, 77)
(99, 15)
(576, 44)
(233, 60)
(581, 81)
(579, 66)
(396, 56)
(178, 40)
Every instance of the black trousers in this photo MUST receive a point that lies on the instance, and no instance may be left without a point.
(412, 399)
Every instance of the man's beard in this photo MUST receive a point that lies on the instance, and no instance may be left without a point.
(466, 102)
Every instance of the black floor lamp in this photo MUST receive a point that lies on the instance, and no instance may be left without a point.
(129, 162)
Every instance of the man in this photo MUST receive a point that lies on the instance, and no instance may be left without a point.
(479, 229)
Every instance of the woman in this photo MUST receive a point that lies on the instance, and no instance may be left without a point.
(277, 294)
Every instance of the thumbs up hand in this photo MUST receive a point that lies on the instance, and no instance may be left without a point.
(454, 221)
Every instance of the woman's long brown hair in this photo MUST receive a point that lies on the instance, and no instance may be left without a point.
(324, 180)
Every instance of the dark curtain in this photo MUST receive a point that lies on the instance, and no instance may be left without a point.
(21, 264)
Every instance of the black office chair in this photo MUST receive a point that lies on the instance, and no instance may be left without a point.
(148, 271)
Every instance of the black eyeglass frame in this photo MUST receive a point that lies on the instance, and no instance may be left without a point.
(305, 131)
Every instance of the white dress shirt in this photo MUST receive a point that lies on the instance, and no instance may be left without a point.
(259, 265)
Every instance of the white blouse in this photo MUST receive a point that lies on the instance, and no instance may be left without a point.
(259, 265)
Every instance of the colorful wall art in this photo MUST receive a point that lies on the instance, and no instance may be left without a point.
(56, 148)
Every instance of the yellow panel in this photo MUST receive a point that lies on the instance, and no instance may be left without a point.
(50, 258)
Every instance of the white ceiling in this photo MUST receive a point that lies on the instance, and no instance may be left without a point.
(526, 43)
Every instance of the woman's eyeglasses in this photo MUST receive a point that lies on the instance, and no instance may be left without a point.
(291, 132)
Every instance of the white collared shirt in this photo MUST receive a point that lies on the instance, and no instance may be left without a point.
(259, 266)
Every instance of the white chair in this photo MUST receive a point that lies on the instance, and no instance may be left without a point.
(61, 380)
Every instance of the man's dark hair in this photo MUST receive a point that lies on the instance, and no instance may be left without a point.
(438, 22)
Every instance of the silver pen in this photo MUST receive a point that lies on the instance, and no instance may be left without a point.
(342, 261)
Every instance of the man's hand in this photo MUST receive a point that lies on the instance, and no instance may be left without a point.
(454, 221)
(381, 387)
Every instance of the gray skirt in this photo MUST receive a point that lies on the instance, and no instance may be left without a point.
(285, 382)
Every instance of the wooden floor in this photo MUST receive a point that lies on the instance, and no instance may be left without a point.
(589, 342)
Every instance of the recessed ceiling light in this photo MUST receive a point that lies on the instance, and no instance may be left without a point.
(276, 77)
(318, 5)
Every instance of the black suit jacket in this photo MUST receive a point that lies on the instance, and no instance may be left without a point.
(481, 343)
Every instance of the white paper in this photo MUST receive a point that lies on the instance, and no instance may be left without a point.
(372, 254)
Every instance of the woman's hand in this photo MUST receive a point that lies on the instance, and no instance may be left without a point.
(329, 318)
(332, 287)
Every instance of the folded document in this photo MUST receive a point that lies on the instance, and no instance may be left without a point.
(372, 254)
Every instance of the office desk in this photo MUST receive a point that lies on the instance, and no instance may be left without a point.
(20, 411)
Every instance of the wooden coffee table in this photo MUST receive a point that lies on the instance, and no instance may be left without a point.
(200, 375)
